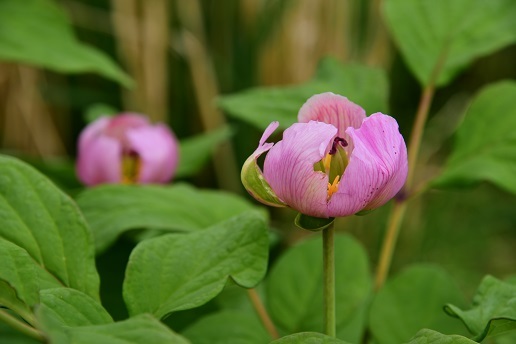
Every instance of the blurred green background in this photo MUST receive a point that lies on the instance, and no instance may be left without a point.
(184, 55)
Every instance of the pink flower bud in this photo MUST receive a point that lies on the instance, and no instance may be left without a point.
(126, 149)
(335, 162)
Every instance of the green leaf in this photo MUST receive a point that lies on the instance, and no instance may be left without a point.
(413, 300)
(65, 307)
(426, 336)
(506, 338)
(182, 271)
(9, 335)
(365, 86)
(195, 151)
(485, 146)
(47, 232)
(143, 329)
(236, 298)
(21, 279)
(308, 338)
(61, 171)
(448, 35)
(37, 32)
(295, 294)
(113, 209)
(228, 327)
(493, 312)
(9, 299)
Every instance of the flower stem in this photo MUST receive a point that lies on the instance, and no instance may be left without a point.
(329, 279)
(389, 243)
(262, 313)
(20, 326)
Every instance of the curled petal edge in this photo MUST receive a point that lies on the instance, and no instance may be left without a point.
(377, 167)
(252, 176)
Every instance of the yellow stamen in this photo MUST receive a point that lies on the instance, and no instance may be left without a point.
(333, 187)
(131, 165)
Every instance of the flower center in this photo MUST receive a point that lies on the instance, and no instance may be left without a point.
(131, 166)
(334, 164)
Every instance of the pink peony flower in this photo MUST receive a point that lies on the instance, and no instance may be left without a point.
(335, 162)
(126, 149)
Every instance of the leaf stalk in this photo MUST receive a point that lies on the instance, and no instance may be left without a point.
(21, 326)
(262, 313)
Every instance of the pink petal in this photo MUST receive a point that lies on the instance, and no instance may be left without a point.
(264, 147)
(91, 132)
(377, 167)
(158, 149)
(127, 120)
(333, 109)
(289, 167)
(98, 160)
(120, 124)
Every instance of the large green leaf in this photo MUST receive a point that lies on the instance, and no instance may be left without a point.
(506, 338)
(143, 329)
(308, 338)
(42, 231)
(37, 32)
(69, 307)
(485, 146)
(228, 327)
(195, 151)
(21, 279)
(432, 337)
(449, 34)
(295, 294)
(112, 209)
(181, 271)
(365, 86)
(413, 300)
(493, 312)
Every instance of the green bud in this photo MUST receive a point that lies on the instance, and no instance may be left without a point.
(339, 162)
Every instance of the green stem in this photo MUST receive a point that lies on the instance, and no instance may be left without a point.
(329, 279)
(389, 243)
(262, 313)
(20, 326)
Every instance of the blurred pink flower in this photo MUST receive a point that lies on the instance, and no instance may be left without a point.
(126, 149)
(335, 162)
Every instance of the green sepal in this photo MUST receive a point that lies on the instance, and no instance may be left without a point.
(311, 223)
(256, 185)
(365, 212)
